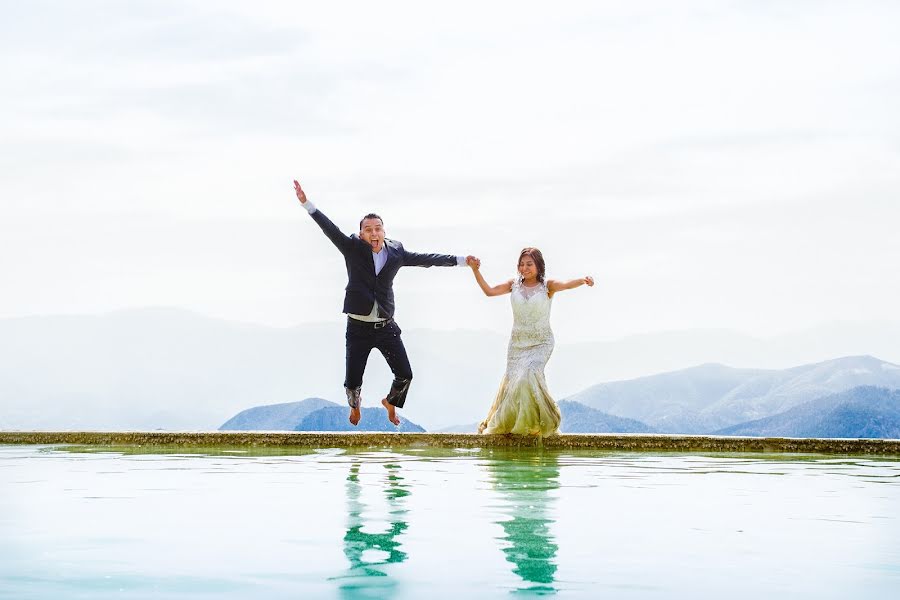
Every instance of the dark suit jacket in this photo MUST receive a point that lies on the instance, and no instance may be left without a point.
(363, 286)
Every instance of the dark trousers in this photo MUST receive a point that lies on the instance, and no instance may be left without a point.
(361, 338)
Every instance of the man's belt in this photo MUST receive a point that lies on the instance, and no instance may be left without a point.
(370, 324)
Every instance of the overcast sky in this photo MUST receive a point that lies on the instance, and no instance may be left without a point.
(712, 164)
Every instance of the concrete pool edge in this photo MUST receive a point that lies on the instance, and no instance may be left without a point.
(597, 441)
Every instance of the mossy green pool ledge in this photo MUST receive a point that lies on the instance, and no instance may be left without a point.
(599, 441)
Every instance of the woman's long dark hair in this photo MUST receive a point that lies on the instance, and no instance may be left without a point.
(538, 259)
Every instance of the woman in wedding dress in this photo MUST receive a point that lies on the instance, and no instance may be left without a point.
(523, 404)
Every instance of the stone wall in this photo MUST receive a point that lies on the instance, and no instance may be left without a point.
(610, 442)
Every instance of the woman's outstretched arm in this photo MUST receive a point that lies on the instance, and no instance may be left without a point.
(497, 290)
(554, 286)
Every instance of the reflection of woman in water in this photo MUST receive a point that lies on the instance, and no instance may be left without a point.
(366, 576)
(526, 485)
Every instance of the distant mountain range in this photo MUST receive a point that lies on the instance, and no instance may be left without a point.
(579, 418)
(862, 412)
(313, 414)
(275, 417)
(174, 369)
(713, 397)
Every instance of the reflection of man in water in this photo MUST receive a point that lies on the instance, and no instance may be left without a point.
(359, 580)
(526, 484)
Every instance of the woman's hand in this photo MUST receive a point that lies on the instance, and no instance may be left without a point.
(588, 281)
(473, 262)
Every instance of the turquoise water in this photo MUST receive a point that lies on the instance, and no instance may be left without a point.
(82, 522)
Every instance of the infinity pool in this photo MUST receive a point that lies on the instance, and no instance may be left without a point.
(82, 522)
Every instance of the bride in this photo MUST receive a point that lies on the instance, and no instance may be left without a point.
(523, 405)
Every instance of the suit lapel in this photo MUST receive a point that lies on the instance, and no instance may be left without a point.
(366, 251)
(393, 260)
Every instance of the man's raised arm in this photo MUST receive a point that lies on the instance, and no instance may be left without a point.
(337, 237)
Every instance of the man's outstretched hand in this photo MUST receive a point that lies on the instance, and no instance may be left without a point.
(301, 195)
(473, 262)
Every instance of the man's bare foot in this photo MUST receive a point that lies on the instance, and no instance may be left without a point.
(355, 414)
(392, 414)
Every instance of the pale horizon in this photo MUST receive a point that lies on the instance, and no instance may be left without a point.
(851, 324)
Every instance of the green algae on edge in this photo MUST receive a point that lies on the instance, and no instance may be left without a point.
(598, 441)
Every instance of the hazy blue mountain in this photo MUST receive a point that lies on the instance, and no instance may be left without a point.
(312, 414)
(861, 412)
(274, 417)
(334, 418)
(668, 401)
(579, 418)
(710, 397)
(587, 363)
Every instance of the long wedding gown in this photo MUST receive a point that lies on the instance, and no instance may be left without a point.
(523, 404)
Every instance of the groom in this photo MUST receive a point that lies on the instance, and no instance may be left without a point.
(372, 262)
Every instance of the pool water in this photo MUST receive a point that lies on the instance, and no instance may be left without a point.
(82, 522)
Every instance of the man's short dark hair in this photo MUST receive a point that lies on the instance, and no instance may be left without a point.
(370, 216)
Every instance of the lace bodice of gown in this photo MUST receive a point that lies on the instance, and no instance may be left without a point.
(531, 314)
